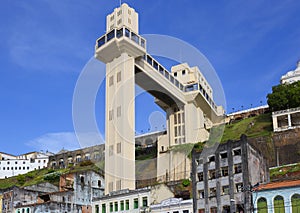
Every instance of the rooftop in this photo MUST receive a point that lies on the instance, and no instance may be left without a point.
(277, 185)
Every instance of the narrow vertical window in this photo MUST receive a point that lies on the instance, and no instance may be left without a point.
(119, 112)
(119, 76)
(111, 80)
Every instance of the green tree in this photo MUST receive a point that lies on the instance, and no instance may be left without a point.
(284, 96)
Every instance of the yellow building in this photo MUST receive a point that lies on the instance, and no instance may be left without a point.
(1, 196)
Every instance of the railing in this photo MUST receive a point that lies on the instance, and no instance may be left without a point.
(119, 33)
(286, 111)
(188, 88)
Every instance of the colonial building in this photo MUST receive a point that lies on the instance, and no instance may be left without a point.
(286, 119)
(133, 201)
(173, 205)
(277, 197)
(11, 165)
(75, 194)
(15, 197)
(291, 76)
(222, 178)
(66, 158)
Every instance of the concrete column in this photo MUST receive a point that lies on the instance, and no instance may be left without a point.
(289, 120)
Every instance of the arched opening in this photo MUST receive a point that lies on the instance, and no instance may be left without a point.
(262, 205)
(279, 204)
(226, 209)
(296, 203)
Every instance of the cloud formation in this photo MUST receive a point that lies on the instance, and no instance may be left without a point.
(54, 142)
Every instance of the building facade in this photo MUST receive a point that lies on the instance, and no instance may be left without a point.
(222, 178)
(291, 76)
(173, 205)
(75, 194)
(286, 119)
(65, 158)
(11, 165)
(278, 197)
(133, 201)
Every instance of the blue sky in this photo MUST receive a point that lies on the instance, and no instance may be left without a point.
(46, 43)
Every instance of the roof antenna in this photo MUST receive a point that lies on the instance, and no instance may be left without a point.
(120, 3)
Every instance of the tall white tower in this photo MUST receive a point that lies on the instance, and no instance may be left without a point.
(118, 48)
(183, 93)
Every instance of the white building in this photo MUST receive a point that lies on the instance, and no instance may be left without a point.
(291, 76)
(173, 205)
(286, 119)
(11, 165)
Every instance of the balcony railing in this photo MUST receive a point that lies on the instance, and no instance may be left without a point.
(188, 88)
(119, 33)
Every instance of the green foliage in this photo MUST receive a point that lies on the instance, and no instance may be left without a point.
(21, 179)
(186, 182)
(284, 96)
(279, 172)
(258, 126)
(86, 163)
(52, 177)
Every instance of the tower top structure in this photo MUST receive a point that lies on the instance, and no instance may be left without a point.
(123, 16)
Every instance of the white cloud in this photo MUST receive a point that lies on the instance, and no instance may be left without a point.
(54, 142)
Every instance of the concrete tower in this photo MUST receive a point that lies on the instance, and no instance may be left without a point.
(118, 49)
(183, 93)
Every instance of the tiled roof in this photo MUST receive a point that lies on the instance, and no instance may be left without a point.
(276, 185)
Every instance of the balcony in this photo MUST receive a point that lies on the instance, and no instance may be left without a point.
(117, 41)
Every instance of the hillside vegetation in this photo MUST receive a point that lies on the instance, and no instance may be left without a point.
(257, 126)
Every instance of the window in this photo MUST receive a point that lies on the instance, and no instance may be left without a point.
(112, 18)
(96, 208)
(295, 203)
(99, 183)
(110, 186)
(212, 192)
(136, 203)
(122, 205)
(111, 150)
(119, 21)
(279, 204)
(116, 206)
(262, 206)
(175, 74)
(223, 155)
(120, 12)
(129, 12)
(129, 21)
(111, 115)
(200, 176)
(236, 152)
(225, 190)
(118, 185)
(201, 194)
(119, 111)
(118, 76)
(183, 72)
(212, 174)
(201, 211)
(127, 205)
(111, 80)
(16, 162)
(103, 208)
(237, 168)
(111, 207)
(211, 159)
(224, 171)
(185, 211)
(8, 162)
(213, 210)
(145, 201)
(239, 187)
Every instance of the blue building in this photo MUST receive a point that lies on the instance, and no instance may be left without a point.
(278, 197)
